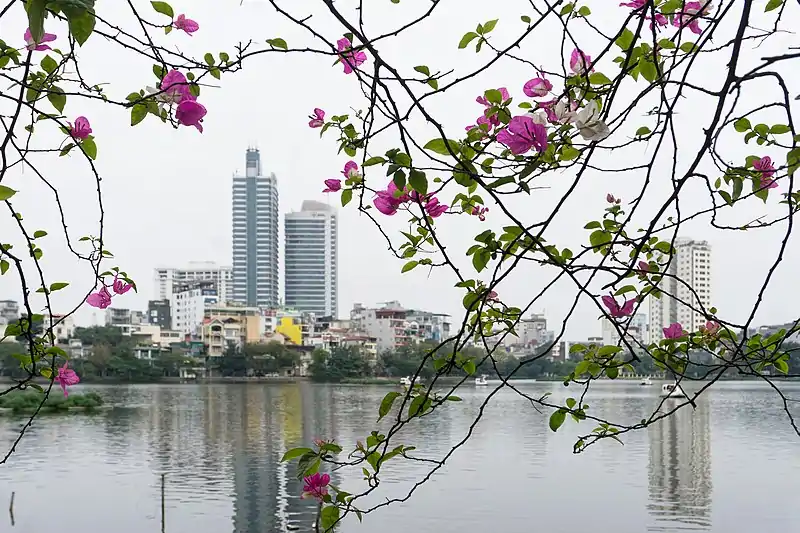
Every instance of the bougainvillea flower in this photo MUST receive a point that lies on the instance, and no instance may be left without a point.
(191, 113)
(30, 44)
(479, 212)
(767, 170)
(175, 88)
(635, 4)
(81, 129)
(351, 59)
(120, 287)
(674, 331)
(503, 93)
(690, 16)
(610, 198)
(351, 170)
(711, 328)
(385, 203)
(434, 208)
(580, 63)
(317, 119)
(537, 87)
(332, 185)
(101, 298)
(187, 25)
(590, 125)
(522, 134)
(316, 486)
(644, 267)
(559, 112)
(615, 310)
(66, 377)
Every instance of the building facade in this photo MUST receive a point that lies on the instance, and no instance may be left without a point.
(393, 326)
(168, 281)
(311, 259)
(159, 313)
(636, 329)
(188, 306)
(690, 269)
(255, 235)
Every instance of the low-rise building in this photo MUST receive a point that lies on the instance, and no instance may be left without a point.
(188, 305)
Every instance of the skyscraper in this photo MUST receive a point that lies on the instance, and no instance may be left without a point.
(311, 272)
(255, 235)
(690, 268)
(167, 280)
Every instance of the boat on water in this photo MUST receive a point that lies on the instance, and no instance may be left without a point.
(646, 382)
(672, 390)
(406, 381)
(481, 380)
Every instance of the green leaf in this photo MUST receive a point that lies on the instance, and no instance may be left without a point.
(81, 23)
(49, 64)
(418, 181)
(773, 4)
(347, 195)
(592, 225)
(278, 43)
(742, 125)
(89, 147)
(452, 398)
(422, 69)
(66, 149)
(567, 9)
(57, 98)
(599, 238)
(36, 13)
(295, 453)
(58, 286)
(386, 404)
(138, 112)
(39, 233)
(648, 69)
(526, 19)
(598, 78)
(568, 153)
(625, 40)
(374, 161)
(209, 59)
(328, 517)
(557, 419)
(466, 39)
(494, 96)
(688, 47)
(584, 11)
(6, 192)
(409, 266)
(641, 132)
(417, 406)
(163, 8)
(434, 84)
(438, 145)
(489, 26)
(3, 266)
(779, 129)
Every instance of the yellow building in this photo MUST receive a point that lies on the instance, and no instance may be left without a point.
(291, 328)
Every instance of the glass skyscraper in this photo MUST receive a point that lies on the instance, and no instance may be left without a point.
(255, 235)
(311, 256)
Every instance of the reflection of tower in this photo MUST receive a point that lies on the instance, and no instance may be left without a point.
(680, 471)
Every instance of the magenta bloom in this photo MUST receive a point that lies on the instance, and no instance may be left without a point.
(487, 103)
(537, 87)
(120, 287)
(479, 212)
(101, 298)
(317, 119)
(385, 203)
(615, 310)
(351, 170)
(644, 267)
(66, 377)
(767, 170)
(81, 129)
(674, 331)
(522, 134)
(690, 16)
(580, 63)
(491, 296)
(635, 4)
(351, 59)
(191, 113)
(610, 198)
(316, 486)
(711, 328)
(434, 208)
(176, 87)
(332, 185)
(187, 25)
(30, 44)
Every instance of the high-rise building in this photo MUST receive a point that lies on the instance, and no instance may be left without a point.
(255, 235)
(311, 256)
(168, 281)
(690, 270)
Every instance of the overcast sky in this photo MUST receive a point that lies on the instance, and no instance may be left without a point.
(167, 192)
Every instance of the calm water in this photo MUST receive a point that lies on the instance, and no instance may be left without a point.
(731, 466)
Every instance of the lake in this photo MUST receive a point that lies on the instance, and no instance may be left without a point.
(732, 465)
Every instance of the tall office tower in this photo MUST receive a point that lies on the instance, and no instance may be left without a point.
(690, 269)
(255, 235)
(310, 252)
(168, 281)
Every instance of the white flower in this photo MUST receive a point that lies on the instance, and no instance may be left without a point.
(538, 116)
(164, 97)
(565, 114)
(589, 123)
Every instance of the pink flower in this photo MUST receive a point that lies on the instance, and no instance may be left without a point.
(401, 196)
(332, 185)
(101, 298)
(644, 267)
(635, 4)
(674, 331)
(711, 328)
(434, 208)
(385, 204)
(580, 63)
(81, 129)
(316, 486)
(351, 59)
(187, 25)
(503, 93)
(66, 377)
(522, 134)
(319, 443)
(191, 113)
(351, 170)
(690, 16)
(558, 112)
(659, 20)
(610, 198)
(120, 287)
(491, 296)
(30, 44)
(317, 119)
(537, 87)
(764, 165)
(479, 211)
(614, 308)
(176, 88)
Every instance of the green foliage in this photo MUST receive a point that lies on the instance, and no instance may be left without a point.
(29, 401)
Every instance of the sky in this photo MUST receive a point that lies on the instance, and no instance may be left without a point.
(167, 192)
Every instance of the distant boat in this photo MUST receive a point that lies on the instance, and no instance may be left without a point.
(481, 380)
(645, 382)
(406, 381)
(672, 390)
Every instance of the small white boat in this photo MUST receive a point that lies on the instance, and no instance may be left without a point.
(481, 380)
(646, 382)
(672, 390)
(406, 381)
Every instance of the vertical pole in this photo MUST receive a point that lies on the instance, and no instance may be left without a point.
(162, 503)
(11, 509)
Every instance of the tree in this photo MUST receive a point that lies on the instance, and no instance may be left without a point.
(338, 364)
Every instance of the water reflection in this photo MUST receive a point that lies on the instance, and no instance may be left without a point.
(680, 471)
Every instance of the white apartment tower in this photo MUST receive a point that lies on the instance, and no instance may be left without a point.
(168, 281)
(255, 235)
(311, 272)
(690, 268)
